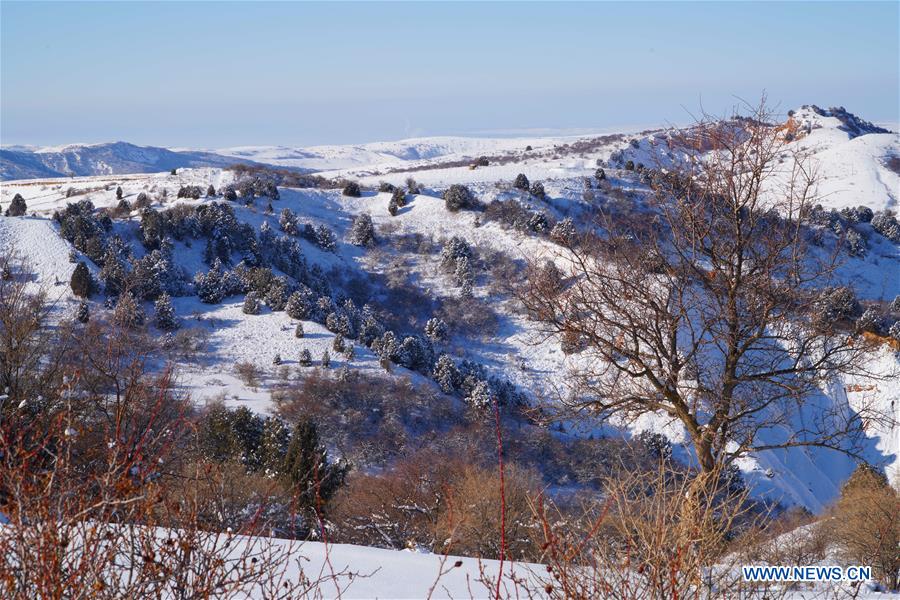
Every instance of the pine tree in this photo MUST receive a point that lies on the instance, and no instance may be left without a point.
(276, 360)
(209, 286)
(458, 197)
(362, 231)
(287, 220)
(599, 175)
(352, 190)
(399, 197)
(326, 359)
(119, 193)
(82, 283)
(251, 303)
(338, 344)
(82, 313)
(164, 313)
(210, 191)
(480, 397)
(305, 358)
(349, 352)
(436, 329)
(446, 374)
(300, 304)
(17, 207)
(128, 312)
(298, 331)
(537, 190)
(393, 208)
(312, 477)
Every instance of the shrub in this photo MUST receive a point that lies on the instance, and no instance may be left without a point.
(885, 223)
(385, 187)
(629, 165)
(393, 207)
(119, 193)
(248, 372)
(288, 222)
(521, 182)
(82, 313)
(836, 304)
(298, 330)
(399, 196)
(870, 320)
(856, 243)
(459, 197)
(599, 175)
(352, 190)
(210, 191)
(82, 283)
(326, 359)
(537, 190)
(362, 231)
(412, 186)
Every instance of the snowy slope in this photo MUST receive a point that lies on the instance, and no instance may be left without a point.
(853, 164)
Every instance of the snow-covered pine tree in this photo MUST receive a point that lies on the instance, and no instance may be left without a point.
(128, 311)
(17, 207)
(305, 358)
(119, 193)
(326, 359)
(251, 303)
(446, 374)
(82, 313)
(165, 318)
(338, 344)
(537, 190)
(480, 397)
(362, 231)
(298, 331)
(436, 329)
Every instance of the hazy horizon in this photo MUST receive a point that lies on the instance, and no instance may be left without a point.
(214, 75)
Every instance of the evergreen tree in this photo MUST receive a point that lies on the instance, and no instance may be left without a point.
(298, 331)
(521, 182)
(349, 352)
(305, 358)
(446, 374)
(436, 329)
(210, 191)
(537, 190)
(352, 190)
(393, 208)
(480, 396)
(209, 286)
(338, 344)
(82, 313)
(276, 360)
(459, 197)
(287, 220)
(326, 359)
(251, 303)
(300, 304)
(17, 207)
(119, 193)
(82, 283)
(362, 231)
(165, 318)
(399, 197)
(128, 311)
(599, 175)
(313, 478)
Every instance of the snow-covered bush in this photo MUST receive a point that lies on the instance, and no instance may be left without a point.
(563, 232)
(599, 175)
(399, 197)
(352, 190)
(210, 191)
(521, 182)
(362, 231)
(480, 396)
(385, 187)
(454, 249)
(459, 197)
(82, 313)
(325, 238)
(537, 190)
(338, 343)
(190, 191)
(859, 214)
(856, 243)
(393, 207)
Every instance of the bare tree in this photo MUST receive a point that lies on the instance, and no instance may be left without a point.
(704, 306)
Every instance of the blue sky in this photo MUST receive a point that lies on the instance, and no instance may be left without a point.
(212, 74)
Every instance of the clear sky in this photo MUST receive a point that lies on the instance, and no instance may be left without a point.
(212, 74)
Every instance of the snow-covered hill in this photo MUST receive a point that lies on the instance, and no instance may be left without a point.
(855, 165)
(101, 159)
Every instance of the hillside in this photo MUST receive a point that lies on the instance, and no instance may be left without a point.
(399, 326)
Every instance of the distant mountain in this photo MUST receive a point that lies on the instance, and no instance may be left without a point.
(102, 159)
